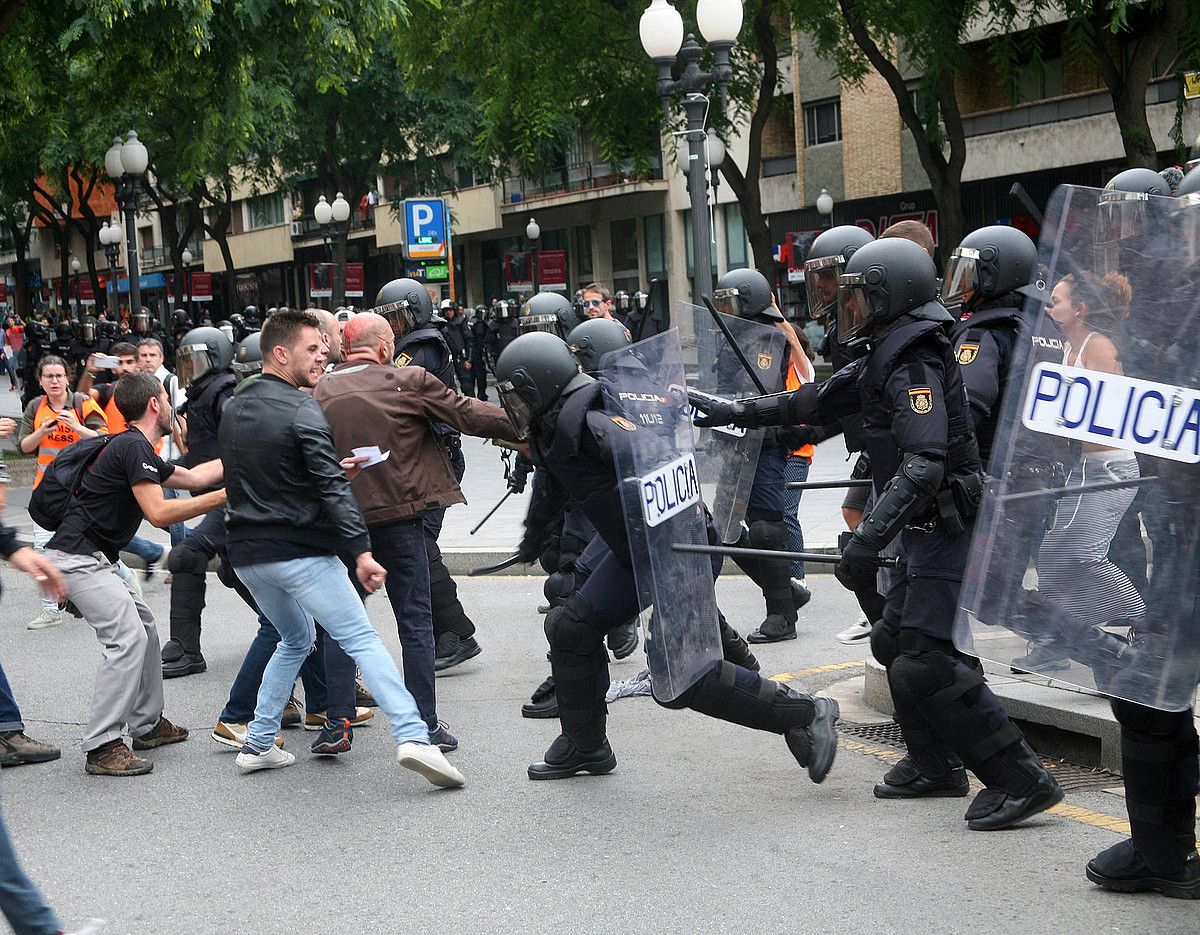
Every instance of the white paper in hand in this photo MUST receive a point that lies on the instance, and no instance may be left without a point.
(372, 454)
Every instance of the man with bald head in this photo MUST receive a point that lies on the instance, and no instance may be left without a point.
(370, 402)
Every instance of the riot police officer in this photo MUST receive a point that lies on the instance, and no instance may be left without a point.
(549, 311)
(503, 327)
(918, 432)
(477, 385)
(745, 293)
(407, 306)
(570, 434)
(203, 366)
(458, 337)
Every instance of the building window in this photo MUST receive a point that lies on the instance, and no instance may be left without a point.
(735, 237)
(264, 211)
(583, 255)
(656, 246)
(624, 243)
(822, 122)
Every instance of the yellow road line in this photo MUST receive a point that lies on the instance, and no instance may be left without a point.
(816, 670)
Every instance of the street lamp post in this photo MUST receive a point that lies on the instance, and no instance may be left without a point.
(126, 163)
(533, 231)
(661, 32)
(110, 239)
(334, 220)
(825, 208)
(187, 278)
(78, 298)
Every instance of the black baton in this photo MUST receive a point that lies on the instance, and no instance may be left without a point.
(820, 558)
(826, 484)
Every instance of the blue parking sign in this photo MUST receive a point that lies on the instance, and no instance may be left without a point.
(425, 228)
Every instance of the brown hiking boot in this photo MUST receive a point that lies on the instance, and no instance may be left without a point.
(363, 697)
(116, 759)
(164, 732)
(293, 713)
(16, 748)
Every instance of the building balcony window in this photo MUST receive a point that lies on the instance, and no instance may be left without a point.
(577, 177)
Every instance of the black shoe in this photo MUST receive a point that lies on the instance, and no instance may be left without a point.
(905, 780)
(801, 594)
(994, 809)
(453, 650)
(543, 702)
(773, 630)
(815, 746)
(335, 737)
(172, 650)
(1042, 657)
(563, 760)
(187, 664)
(623, 640)
(1122, 868)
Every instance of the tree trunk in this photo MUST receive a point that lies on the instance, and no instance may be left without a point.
(218, 230)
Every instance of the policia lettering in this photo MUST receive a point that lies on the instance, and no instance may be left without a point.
(925, 463)
(572, 439)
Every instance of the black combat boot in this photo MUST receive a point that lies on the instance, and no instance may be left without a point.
(543, 703)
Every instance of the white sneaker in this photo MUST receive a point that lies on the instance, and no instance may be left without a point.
(90, 927)
(855, 634)
(250, 760)
(47, 618)
(429, 762)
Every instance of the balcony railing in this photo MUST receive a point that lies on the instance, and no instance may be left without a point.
(580, 177)
(303, 228)
(161, 256)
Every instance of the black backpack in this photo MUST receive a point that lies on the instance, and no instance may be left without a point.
(63, 479)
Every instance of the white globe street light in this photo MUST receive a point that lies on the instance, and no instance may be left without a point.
(187, 257)
(825, 203)
(532, 230)
(323, 212)
(716, 149)
(719, 20)
(134, 158)
(112, 160)
(661, 30)
(340, 209)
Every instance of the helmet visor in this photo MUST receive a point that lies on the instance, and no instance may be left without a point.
(547, 323)
(87, 332)
(247, 368)
(727, 302)
(960, 281)
(520, 412)
(141, 322)
(1120, 216)
(821, 284)
(854, 307)
(192, 361)
(399, 315)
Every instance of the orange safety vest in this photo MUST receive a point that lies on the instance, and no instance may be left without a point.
(117, 424)
(61, 437)
(793, 381)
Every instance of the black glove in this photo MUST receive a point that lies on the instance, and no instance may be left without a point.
(717, 411)
(799, 435)
(519, 474)
(751, 413)
(856, 570)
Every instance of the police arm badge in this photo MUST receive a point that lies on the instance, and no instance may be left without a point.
(920, 400)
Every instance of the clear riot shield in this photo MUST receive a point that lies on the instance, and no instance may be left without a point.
(728, 456)
(1085, 564)
(660, 494)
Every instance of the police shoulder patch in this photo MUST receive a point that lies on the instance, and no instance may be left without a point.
(967, 353)
(920, 399)
(624, 423)
(404, 360)
(765, 361)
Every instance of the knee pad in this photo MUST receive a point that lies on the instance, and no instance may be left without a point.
(885, 646)
(550, 558)
(572, 627)
(933, 678)
(768, 534)
(558, 587)
(186, 560)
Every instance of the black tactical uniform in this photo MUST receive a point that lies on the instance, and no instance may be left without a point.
(918, 434)
(458, 337)
(573, 437)
(477, 386)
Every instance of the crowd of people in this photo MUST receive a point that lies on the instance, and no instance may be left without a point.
(321, 452)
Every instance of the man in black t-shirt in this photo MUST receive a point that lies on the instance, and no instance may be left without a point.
(123, 487)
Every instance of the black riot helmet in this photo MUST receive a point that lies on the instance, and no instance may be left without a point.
(202, 351)
(989, 264)
(549, 311)
(180, 318)
(247, 356)
(225, 326)
(89, 330)
(505, 309)
(109, 330)
(480, 312)
(448, 305)
(64, 332)
(532, 372)
(406, 304)
(826, 261)
(253, 319)
(238, 321)
(1123, 211)
(746, 293)
(883, 281)
(623, 303)
(139, 321)
(590, 341)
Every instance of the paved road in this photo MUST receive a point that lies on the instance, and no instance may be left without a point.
(704, 827)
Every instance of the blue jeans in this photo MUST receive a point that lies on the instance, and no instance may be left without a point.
(292, 595)
(243, 695)
(796, 472)
(10, 714)
(144, 549)
(178, 531)
(24, 907)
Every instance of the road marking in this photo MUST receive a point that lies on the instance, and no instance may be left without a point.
(816, 670)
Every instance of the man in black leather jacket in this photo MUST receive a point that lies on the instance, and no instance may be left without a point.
(290, 514)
